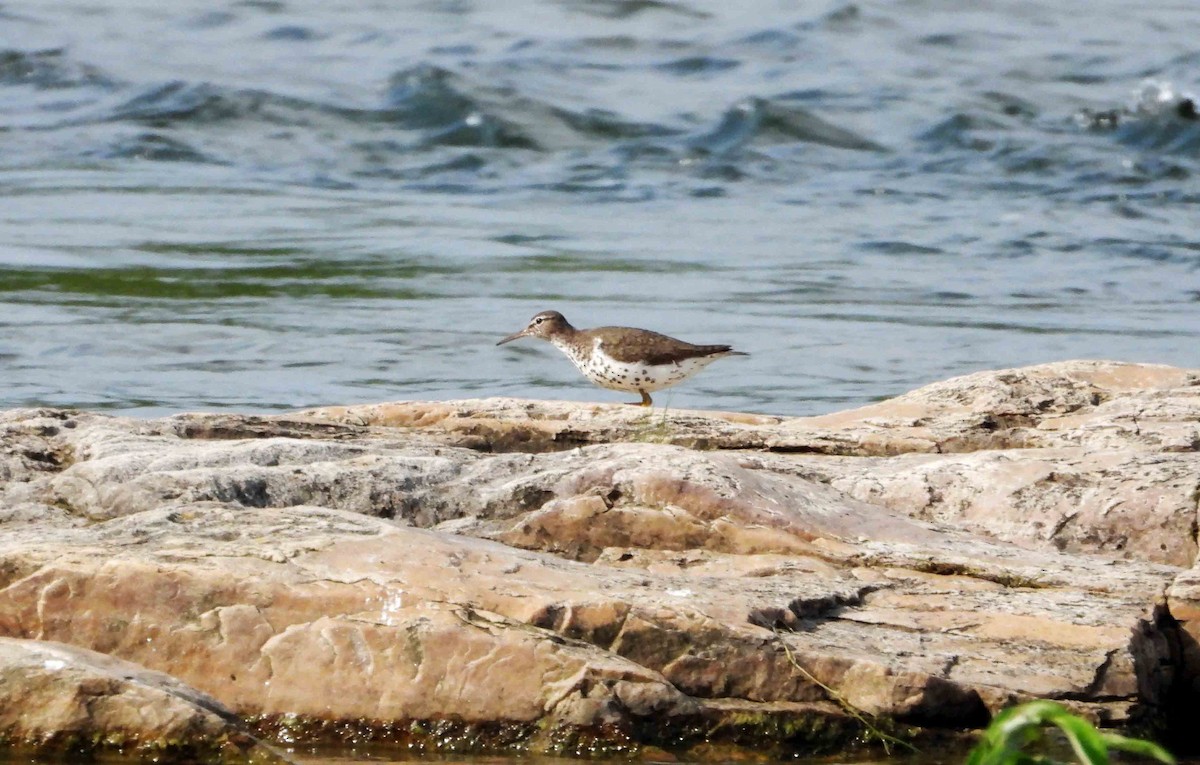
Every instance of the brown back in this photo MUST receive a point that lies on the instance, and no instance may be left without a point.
(628, 345)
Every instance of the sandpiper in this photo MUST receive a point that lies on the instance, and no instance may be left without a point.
(624, 358)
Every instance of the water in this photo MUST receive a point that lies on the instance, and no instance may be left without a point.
(261, 205)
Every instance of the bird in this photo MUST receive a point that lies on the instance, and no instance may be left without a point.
(624, 358)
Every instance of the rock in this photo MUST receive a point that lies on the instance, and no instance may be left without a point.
(590, 578)
(1130, 503)
(1076, 456)
(1094, 404)
(58, 699)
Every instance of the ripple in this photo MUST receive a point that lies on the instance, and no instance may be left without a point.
(50, 69)
(155, 147)
(291, 33)
(698, 65)
(901, 248)
(625, 9)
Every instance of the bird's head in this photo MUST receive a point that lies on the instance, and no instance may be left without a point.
(545, 325)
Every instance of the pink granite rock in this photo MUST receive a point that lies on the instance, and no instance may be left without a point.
(563, 576)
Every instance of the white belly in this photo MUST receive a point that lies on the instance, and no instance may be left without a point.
(607, 372)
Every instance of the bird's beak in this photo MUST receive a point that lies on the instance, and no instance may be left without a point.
(514, 336)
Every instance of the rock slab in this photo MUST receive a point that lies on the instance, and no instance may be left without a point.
(504, 574)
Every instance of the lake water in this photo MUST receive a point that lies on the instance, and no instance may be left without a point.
(258, 205)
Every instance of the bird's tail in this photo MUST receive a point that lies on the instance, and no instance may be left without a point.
(722, 350)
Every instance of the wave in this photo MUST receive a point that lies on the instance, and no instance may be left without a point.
(431, 125)
(758, 121)
(177, 102)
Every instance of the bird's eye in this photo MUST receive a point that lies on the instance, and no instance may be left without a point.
(539, 320)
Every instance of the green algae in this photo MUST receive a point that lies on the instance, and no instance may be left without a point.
(74, 746)
(709, 734)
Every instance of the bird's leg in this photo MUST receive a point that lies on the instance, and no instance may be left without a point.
(645, 398)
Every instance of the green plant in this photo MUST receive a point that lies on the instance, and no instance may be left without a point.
(1015, 728)
(873, 731)
(653, 428)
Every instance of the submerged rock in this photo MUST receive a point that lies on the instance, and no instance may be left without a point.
(566, 577)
